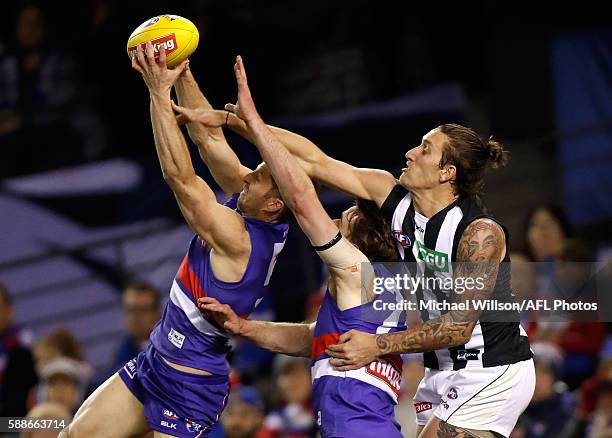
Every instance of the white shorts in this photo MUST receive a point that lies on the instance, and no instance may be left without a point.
(477, 398)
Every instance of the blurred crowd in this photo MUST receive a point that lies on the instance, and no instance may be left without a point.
(49, 377)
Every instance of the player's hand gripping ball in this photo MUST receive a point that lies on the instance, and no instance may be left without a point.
(177, 35)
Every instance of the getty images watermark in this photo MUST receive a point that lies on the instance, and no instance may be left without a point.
(458, 285)
(568, 291)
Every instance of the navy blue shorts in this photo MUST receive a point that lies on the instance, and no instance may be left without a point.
(175, 403)
(348, 408)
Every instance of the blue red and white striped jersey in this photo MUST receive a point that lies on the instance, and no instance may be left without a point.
(184, 335)
(384, 373)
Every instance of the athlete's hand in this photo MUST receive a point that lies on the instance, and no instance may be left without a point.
(222, 314)
(208, 117)
(354, 350)
(245, 107)
(155, 72)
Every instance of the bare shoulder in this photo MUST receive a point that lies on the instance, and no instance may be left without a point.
(227, 233)
(483, 239)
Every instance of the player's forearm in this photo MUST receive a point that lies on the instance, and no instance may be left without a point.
(436, 334)
(189, 95)
(171, 148)
(213, 148)
(294, 184)
(303, 150)
(284, 338)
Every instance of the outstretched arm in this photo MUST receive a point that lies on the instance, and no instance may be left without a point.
(223, 163)
(481, 248)
(279, 337)
(217, 225)
(364, 183)
(294, 184)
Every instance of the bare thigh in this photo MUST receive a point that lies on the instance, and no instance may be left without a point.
(111, 411)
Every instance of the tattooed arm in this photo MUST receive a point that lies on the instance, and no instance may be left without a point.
(481, 247)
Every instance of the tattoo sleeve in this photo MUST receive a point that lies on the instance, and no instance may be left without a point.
(479, 253)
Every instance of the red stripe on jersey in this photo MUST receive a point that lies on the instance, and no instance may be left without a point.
(190, 280)
(320, 343)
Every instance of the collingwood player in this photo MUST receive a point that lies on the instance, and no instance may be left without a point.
(479, 374)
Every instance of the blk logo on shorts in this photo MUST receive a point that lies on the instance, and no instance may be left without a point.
(168, 424)
(452, 394)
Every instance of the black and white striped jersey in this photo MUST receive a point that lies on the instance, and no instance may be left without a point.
(429, 246)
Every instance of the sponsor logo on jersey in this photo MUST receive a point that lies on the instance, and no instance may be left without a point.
(467, 354)
(169, 414)
(434, 260)
(402, 239)
(176, 338)
(168, 424)
(168, 42)
(385, 371)
(452, 394)
(422, 407)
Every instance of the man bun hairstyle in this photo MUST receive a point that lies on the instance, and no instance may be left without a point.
(471, 155)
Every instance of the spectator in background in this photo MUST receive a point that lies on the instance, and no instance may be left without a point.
(17, 375)
(244, 414)
(294, 419)
(40, 103)
(523, 281)
(545, 231)
(593, 416)
(580, 336)
(64, 381)
(552, 404)
(47, 411)
(54, 345)
(602, 417)
(141, 311)
(58, 345)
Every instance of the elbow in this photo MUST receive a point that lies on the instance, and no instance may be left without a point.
(171, 178)
(176, 179)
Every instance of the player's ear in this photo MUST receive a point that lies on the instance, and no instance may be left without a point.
(274, 205)
(448, 173)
